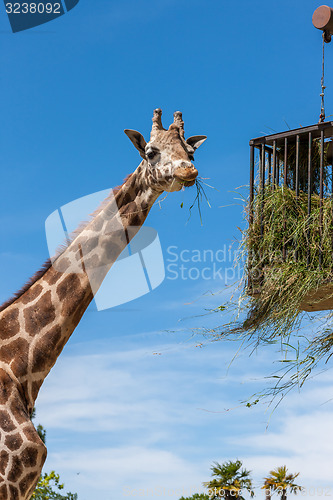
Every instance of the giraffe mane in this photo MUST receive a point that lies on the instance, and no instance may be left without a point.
(48, 263)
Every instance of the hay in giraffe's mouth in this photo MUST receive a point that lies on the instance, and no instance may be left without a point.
(186, 175)
(186, 183)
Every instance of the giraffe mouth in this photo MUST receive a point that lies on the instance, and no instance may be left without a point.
(186, 176)
(186, 183)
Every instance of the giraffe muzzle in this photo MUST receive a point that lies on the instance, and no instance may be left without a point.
(186, 175)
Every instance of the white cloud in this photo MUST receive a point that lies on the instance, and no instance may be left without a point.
(303, 438)
(134, 414)
(128, 471)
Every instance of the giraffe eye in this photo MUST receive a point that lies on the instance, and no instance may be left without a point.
(151, 154)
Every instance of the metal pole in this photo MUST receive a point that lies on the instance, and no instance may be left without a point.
(251, 211)
(251, 184)
(284, 250)
(297, 166)
(297, 185)
(278, 168)
(285, 160)
(262, 169)
(274, 164)
(309, 197)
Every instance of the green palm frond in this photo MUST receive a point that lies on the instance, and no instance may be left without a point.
(278, 480)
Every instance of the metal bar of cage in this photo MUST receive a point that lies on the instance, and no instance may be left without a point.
(332, 205)
(251, 184)
(262, 186)
(308, 251)
(297, 185)
(297, 166)
(285, 181)
(278, 168)
(274, 164)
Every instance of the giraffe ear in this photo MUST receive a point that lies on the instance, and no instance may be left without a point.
(138, 141)
(196, 140)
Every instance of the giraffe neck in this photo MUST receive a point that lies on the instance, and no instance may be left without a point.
(35, 328)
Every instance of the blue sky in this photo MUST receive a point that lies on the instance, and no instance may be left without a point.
(133, 403)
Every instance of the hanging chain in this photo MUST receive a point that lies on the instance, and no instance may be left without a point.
(322, 95)
(327, 37)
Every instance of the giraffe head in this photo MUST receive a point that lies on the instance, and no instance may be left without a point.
(168, 156)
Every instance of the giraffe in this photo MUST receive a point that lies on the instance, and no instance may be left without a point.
(37, 321)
